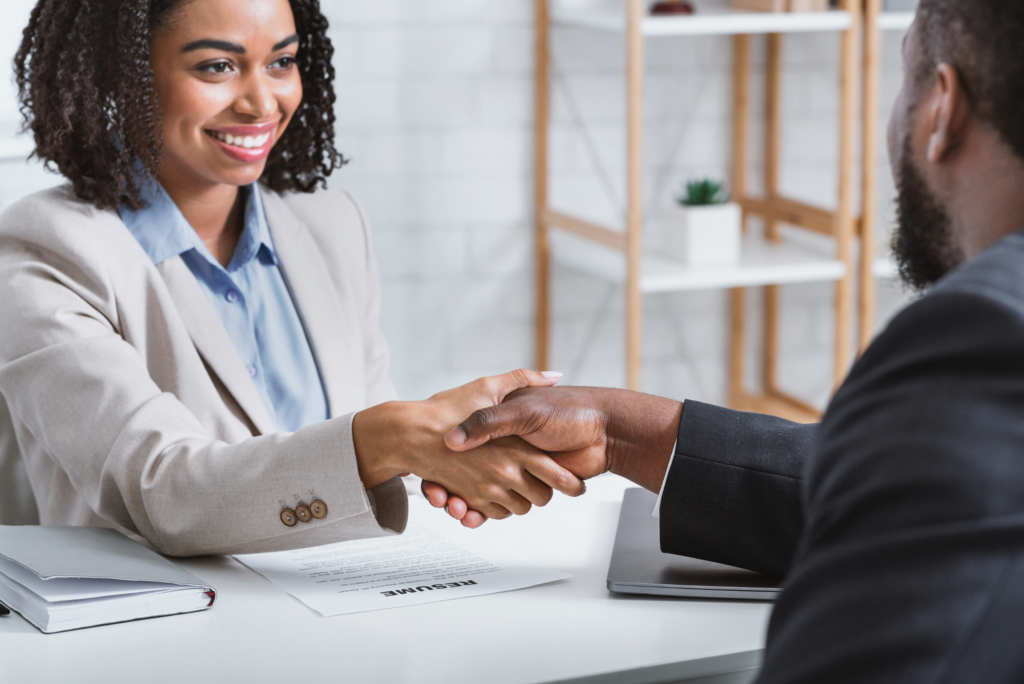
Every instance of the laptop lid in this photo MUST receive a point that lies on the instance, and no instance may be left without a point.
(639, 567)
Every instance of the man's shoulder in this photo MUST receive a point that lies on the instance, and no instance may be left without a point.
(997, 274)
(986, 291)
(976, 311)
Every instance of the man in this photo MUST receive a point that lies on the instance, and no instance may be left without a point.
(898, 523)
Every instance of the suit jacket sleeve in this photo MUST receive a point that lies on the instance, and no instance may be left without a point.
(733, 493)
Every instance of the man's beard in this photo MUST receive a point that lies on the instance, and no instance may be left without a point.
(923, 241)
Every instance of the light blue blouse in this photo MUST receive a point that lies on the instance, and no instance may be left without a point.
(251, 299)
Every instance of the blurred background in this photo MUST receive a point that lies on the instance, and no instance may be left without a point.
(436, 113)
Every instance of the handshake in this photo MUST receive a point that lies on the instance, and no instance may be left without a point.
(501, 445)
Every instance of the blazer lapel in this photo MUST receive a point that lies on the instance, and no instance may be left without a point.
(213, 342)
(317, 303)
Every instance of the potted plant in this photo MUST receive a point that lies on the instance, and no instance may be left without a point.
(704, 226)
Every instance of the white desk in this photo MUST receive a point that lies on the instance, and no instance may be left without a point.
(572, 630)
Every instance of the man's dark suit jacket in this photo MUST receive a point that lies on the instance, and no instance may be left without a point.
(898, 522)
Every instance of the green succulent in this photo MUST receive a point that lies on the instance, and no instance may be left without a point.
(701, 193)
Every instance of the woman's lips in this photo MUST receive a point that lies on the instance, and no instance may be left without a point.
(246, 144)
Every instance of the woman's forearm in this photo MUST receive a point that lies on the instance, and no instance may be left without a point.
(383, 440)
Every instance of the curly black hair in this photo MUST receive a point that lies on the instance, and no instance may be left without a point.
(982, 39)
(86, 93)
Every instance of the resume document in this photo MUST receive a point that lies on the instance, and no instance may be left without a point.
(424, 565)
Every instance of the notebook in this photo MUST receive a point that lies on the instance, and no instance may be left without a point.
(64, 578)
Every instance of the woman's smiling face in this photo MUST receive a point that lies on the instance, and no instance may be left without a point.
(228, 85)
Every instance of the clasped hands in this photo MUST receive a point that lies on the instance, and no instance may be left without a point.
(501, 445)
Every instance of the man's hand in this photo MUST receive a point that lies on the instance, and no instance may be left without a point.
(588, 431)
(507, 476)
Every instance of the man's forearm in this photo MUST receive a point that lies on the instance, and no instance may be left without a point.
(641, 430)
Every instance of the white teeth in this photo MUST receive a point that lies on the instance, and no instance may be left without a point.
(247, 142)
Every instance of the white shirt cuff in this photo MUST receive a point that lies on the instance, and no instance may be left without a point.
(657, 504)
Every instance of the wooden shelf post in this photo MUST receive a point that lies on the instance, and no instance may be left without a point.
(773, 144)
(869, 156)
(637, 10)
(848, 105)
(773, 127)
(543, 121)
(740, 142)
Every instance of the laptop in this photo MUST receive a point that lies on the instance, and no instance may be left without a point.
(639, 567)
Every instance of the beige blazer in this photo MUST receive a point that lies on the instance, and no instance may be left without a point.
(131, 408)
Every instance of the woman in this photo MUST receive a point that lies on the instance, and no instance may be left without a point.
(191, 326)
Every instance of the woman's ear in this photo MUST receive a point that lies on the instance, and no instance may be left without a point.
(948, 113)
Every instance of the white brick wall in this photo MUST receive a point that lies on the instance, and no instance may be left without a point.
(435, 108)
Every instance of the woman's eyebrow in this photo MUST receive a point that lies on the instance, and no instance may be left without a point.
(211, 44)
(294, 38)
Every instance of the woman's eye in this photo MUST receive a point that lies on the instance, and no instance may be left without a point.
(216, 68)
(284, 63)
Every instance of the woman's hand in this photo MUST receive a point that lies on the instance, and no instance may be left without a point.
(503, 477)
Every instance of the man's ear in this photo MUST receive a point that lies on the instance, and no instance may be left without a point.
(948, 113)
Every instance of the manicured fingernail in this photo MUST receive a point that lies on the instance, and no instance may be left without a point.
(553, 375)
(456, 436)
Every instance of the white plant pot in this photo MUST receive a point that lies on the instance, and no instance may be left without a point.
(704, 237)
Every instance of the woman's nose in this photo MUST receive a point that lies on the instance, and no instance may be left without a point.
(257, 99)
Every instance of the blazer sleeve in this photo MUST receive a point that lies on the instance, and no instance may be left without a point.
(733, 493)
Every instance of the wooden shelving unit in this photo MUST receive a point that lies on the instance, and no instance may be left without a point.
(615, 253)
(872, 266)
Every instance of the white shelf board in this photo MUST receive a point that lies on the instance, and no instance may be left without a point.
(762, 264)
(885, 268)
(713, 18)
(15, 149)
(895, 21)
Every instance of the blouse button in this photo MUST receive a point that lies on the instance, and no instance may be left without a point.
(232, 296)
(252, 371)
